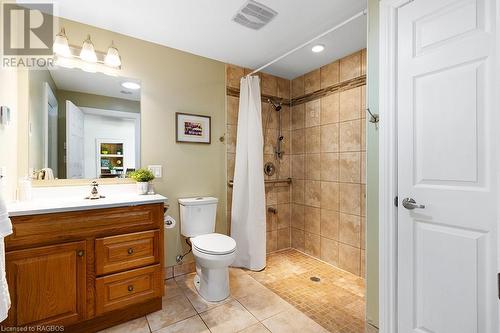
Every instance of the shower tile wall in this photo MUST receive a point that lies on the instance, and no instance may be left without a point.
(277, 196)
(328, 166)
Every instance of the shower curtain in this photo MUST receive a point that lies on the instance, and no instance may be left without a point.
(248, 214)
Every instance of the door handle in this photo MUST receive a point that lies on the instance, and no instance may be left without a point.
(410, 203)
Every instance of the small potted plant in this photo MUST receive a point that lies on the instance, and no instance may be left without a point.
(112, 169)
(142, 176)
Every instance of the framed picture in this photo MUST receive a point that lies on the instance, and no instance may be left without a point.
(192, 128)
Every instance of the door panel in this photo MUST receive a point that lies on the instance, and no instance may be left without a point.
(446, 121)
(47, 284)
(52, 138)
(74, 141)
(436, 264)
(446, 159)
(451, 21)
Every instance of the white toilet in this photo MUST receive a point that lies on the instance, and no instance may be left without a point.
(213, 252)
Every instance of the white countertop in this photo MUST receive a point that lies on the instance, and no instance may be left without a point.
(45, 206)
(64, 203)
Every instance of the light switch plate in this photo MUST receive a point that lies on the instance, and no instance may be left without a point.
(156, 170)
(4, 115)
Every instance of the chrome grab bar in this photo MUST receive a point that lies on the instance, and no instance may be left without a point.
(268, 181)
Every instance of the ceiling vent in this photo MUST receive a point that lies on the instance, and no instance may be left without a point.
(254, 15)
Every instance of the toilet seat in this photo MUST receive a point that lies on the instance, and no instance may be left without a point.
(214, 244)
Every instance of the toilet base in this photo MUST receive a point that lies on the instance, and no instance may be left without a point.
(212, 275)
(212, 283)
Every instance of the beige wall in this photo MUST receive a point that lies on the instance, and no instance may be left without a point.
(37, 100)
(328, 158)
(172, 81)
(277, 195)
(11, 140)
(8, 134)
(85, 100)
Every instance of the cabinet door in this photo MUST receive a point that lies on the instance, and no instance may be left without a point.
(47, 284)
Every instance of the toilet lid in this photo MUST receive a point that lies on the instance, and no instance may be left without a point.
(214, 243)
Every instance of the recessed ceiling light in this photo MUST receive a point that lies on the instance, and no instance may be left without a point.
(131, 85)
(318, 48)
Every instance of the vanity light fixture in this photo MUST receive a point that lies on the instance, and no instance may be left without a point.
(61, 46)
(131, 85)
(86, 57)
(112, 58)
(88, 52)
(318, 48)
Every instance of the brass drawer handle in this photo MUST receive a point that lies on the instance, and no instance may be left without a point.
(130, 250)
(130, 288)
(80, 253)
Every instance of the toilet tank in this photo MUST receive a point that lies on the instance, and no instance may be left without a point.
(197, 215)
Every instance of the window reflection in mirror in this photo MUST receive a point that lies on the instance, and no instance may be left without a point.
(82, 125)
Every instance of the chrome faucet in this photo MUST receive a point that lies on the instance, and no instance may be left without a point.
(94, 193)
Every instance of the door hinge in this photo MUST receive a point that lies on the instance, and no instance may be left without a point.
(498, 279)
(396, 199)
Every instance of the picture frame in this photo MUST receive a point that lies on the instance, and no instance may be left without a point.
(193, 128)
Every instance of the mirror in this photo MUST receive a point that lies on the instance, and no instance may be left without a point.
(82, 125)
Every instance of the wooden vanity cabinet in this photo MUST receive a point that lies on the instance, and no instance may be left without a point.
(85, 270)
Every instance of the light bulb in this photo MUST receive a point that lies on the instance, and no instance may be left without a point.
(112, 58)
(61, 46)
(88, 53)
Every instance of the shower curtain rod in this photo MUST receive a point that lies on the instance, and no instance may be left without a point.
(363, 12)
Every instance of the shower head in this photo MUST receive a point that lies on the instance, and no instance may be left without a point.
(276, 106)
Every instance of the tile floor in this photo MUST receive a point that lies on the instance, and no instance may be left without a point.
(336, 302)
(282, 298)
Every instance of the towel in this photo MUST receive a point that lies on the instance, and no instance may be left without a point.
(5, 230)
(48, 174)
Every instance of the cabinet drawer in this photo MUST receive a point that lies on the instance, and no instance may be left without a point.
(124, 289)
(122, 252)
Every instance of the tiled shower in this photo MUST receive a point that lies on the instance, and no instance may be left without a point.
(322, 212)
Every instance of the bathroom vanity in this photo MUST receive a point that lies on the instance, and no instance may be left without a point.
(85, 267)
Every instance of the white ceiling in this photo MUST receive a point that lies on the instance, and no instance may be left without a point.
(338, 44)
(93, 83)
(205, 27)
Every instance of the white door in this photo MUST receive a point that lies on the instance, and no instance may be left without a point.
(52, 137)
(74, 141)
(447, 281)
